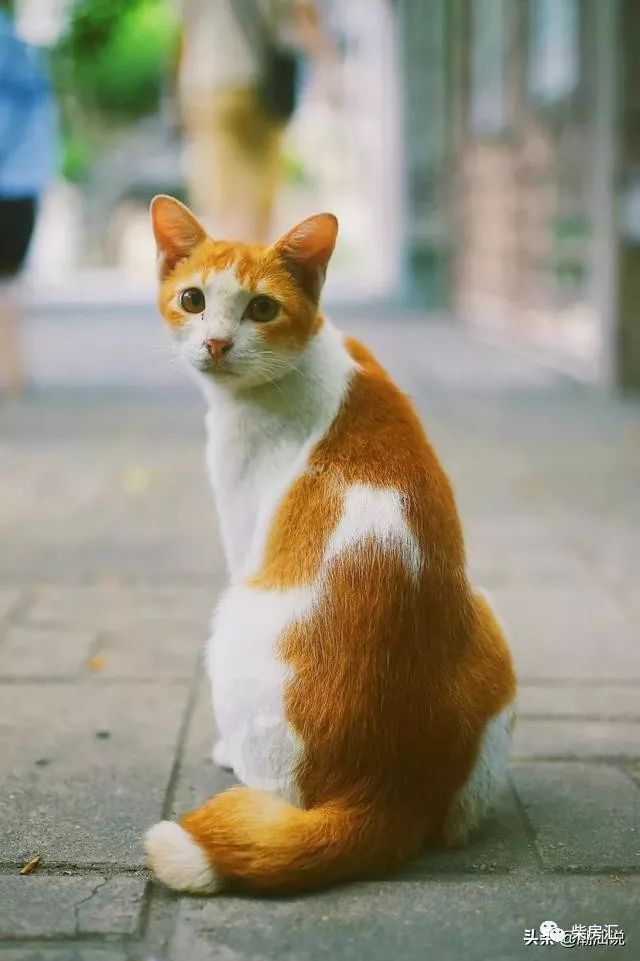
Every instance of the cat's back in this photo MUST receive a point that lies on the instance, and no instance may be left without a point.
(377, 439)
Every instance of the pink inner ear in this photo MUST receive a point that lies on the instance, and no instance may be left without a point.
(176, 230)
(312, 241)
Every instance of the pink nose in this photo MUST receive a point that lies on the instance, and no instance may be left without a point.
(217, 347)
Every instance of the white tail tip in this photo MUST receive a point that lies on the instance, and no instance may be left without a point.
(178, 861)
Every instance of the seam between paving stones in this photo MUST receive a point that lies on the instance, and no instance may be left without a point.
(25, 680)
(164, 923)
(568, 718)
(614, 759)
(542, 681)
(529, 830)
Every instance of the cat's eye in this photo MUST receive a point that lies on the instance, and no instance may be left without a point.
(192, 300)
(261, 309)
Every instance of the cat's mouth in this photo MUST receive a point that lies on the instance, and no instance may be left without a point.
(215, 368)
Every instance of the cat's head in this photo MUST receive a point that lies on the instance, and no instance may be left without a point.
(240, 313)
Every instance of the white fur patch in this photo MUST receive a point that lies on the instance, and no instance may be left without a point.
(378, 513)
(178, 861)
(248, 681)
(487, 779)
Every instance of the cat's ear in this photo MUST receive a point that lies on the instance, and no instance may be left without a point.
(176, 230)
(307, 249)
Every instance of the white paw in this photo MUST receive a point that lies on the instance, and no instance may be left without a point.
(178, 861)
(220, 755)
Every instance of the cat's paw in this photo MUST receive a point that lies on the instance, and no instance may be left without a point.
(178, 861)
(220, 755)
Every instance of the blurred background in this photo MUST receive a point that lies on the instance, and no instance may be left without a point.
(481, 155)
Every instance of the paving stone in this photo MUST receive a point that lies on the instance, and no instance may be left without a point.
(108, 606)
(501, 843)
(478, 919)
(515, 567)
(150, 649)
(584, 816)
(572, 700)
(540, 738)
(69, 951)
(568, 634)
(36, 652)
(44, 906)
(9, 600)
(84, 769)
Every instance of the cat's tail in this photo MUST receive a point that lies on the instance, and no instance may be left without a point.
(254, 841)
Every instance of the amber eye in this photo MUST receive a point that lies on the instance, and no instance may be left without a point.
(261, 309)
(192, 300)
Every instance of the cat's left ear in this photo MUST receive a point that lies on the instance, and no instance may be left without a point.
(307, 249)
(176, 230)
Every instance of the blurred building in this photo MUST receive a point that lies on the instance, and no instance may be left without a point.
(523, 173)
(483, 157)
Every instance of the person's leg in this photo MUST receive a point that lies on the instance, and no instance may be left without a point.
(12, 374)
(17, 219)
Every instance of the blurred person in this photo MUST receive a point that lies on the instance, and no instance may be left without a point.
(238, 81)
(27, 125)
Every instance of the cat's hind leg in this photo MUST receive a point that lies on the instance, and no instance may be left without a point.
(487, 779)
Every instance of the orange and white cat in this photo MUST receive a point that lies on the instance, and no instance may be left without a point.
(363, 692)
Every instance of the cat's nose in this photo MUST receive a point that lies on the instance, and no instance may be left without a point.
(217, 347)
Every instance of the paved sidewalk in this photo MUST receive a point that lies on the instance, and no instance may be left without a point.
(109, 565)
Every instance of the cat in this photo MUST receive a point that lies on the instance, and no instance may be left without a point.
(363, 692)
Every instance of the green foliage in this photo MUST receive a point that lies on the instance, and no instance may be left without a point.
(115, 55)
(76, 158)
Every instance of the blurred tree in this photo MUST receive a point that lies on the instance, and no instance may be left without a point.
(109, 68)
(114, 56)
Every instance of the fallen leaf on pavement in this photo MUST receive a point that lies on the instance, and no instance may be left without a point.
(137, 480)
(97, 663)
(31, 865)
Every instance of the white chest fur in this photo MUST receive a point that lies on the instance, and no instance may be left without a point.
(258, 444)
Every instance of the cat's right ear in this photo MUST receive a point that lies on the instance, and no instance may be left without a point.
(176, 230)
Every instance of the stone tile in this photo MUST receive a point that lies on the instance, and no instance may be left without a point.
(69, 951)
(9, 599)
(514, 565)
(478, 919)
(500, 844)
(84, 769)
(45, 906)
(567, 700)
(567, 634)
(575, 738)
(113, 606)
(150, 649)
(584, 816)
(39, 652)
